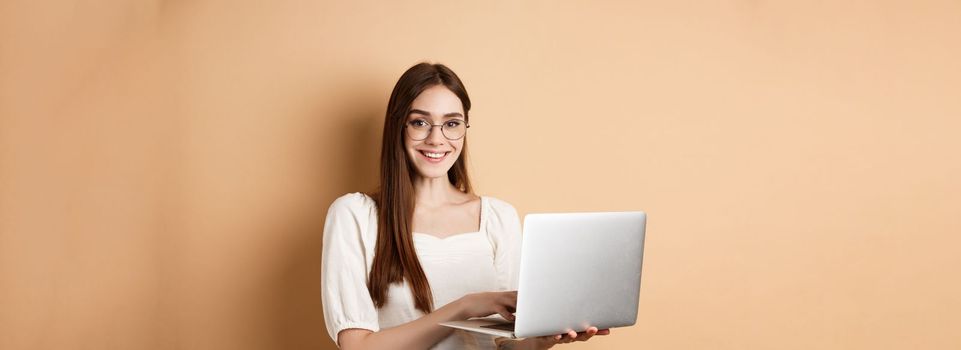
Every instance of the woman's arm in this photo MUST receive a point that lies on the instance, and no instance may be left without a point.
(424, 332)
(421, 333)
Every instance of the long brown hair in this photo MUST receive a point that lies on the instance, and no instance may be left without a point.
(395, 259)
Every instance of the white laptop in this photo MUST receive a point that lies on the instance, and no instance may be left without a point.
(577, 270)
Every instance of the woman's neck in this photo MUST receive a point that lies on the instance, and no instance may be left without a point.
(432, 192)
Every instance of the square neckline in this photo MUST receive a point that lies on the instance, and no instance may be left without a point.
(481, 227)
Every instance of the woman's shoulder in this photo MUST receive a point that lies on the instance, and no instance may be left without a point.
(353, 202)
(500, 211)
(498, 204)
(350, 214)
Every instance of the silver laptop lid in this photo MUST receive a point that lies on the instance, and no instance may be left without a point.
(579, 270)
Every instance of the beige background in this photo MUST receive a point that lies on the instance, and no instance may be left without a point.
(165, 166)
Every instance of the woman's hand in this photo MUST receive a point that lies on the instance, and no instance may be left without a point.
(547, 342)
(486, 304)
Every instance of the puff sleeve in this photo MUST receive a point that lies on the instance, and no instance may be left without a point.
(505, 233)
(346, 301)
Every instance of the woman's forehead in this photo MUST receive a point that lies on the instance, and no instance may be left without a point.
(418, 113)
(438, 101)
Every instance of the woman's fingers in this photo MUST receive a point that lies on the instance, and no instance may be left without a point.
(509, 304)
(505, 314)
(510, 299)
(571, 336)
(584, 336)
(564, 338)
(561, 339)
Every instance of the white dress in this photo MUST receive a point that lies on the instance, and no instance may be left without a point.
(482, 261)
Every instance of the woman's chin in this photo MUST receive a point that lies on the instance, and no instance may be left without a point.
(433, 173)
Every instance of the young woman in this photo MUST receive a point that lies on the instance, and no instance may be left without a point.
(424, 248)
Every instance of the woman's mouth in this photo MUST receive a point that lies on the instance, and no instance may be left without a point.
(434, 157)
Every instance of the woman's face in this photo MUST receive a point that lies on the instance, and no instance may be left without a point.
(434, 155)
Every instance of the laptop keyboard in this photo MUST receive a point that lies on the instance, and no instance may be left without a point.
(501, 326)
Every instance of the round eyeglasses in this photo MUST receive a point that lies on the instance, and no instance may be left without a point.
(452, 129)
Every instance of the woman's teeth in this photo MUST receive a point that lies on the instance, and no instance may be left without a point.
(434, 155)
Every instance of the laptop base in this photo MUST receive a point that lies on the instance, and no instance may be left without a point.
(487, 325)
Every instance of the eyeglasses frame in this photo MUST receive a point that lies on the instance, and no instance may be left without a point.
(407, 125)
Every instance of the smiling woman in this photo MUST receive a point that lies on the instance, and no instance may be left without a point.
(423, 248)
(419, 128)
(438, 149)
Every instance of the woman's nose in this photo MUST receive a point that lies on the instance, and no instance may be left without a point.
(436, 136)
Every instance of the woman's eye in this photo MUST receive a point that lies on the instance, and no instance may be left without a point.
(418, 123)
(453, 123)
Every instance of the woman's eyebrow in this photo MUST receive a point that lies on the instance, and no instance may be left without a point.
(417, 111)
(425, 113)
